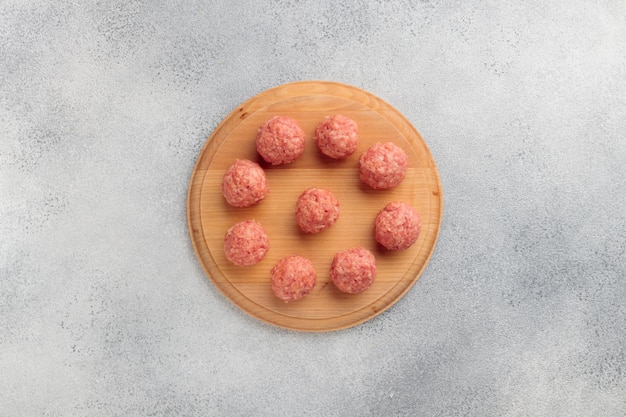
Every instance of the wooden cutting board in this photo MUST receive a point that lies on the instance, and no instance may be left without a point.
(326, 308)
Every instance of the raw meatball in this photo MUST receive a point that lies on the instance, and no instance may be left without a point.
(353, 270)
(383, 166)
(397, 226)
(246, 243)
(244, 183)
(280, 140)
(316, 210)
(293, 277)
(337, 136)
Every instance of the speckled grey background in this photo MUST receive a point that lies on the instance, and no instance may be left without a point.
(105, 310)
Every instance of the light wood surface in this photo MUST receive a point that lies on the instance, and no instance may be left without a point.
(326, 308)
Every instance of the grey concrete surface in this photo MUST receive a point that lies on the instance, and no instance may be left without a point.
(105, 310)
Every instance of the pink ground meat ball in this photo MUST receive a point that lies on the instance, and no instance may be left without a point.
(353, 270)
(246, 243)
(337, 136)
(397, 226)
(383, 166)
(280, 140)
(316, 210)
(244, 183)
(293, 277)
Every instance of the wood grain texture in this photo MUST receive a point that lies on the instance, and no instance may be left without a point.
(326, 308)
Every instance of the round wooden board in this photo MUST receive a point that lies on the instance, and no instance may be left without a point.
(326, 308)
